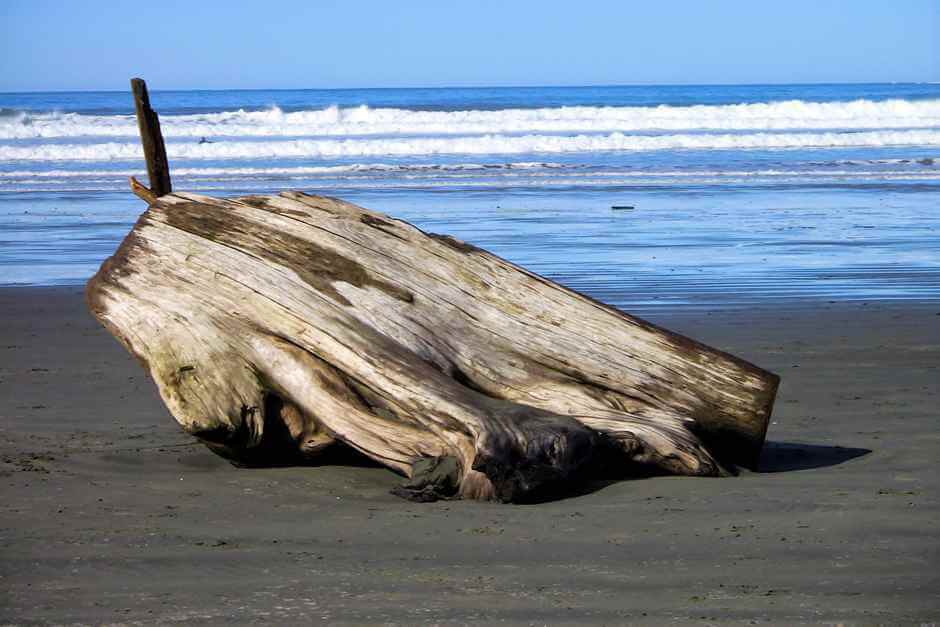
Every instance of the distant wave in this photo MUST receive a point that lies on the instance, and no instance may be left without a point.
(365, 121)
(516, 181)
(859, 167)
(354, 168)
(520, 169)
(486, 144)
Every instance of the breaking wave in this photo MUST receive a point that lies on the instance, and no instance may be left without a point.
(477, 145)
(332, 170)
(363, 120)
(367, 172)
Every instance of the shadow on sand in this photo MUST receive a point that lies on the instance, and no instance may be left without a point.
(790, 456)
(775, 457)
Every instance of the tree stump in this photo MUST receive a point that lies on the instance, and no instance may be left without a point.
(279, 327)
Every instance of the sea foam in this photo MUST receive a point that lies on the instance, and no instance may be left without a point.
(366, 121)
(469, 145)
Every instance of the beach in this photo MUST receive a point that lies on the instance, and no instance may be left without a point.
(112, 514)
(794, 226)
(465, 313)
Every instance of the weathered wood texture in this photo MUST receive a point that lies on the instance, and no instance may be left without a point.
(142, 191)
(279, 327)
(151, 138)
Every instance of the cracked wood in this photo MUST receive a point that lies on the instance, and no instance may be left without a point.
(279, 327)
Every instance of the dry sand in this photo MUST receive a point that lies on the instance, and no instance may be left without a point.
(111, 514)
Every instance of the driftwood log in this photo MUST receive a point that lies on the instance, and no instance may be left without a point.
(279, 327)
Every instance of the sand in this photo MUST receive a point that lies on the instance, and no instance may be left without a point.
(111, 514)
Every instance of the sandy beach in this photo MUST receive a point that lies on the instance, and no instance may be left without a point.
(112, 514)
(283, 211)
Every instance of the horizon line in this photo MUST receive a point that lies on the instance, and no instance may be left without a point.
(541, 86)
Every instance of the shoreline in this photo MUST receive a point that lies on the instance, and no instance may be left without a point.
(113, 514)
(719, 247)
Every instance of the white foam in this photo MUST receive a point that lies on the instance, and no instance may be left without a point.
(366, 121)
(742, 178)
(545, 175)
(486, 144)
(355, 168)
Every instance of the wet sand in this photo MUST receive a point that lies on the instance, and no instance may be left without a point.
(111, 514)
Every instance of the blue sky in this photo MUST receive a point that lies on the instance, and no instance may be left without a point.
(99, 44)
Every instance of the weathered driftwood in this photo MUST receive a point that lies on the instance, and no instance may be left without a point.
(142, 191)
(151, 139)
(277, 327)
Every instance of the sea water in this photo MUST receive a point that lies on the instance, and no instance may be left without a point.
(740, 195)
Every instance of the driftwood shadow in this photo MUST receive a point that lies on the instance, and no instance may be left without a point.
(336, 454)
(791, 456)
(775, 457)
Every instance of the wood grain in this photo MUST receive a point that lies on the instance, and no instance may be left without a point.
(276, 327)
(151, 138)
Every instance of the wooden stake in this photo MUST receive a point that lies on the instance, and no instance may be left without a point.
(151, 139)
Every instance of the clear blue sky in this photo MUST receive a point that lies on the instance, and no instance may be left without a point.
(99, 44)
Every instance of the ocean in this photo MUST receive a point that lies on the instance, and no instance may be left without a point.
(739, 195)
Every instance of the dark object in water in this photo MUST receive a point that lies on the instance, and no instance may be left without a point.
(204, 141)
(622, 207)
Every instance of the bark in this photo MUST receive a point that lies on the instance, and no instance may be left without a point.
(279, 327)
